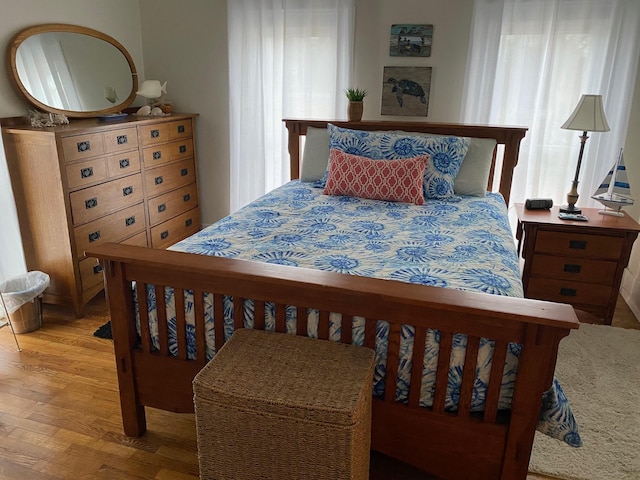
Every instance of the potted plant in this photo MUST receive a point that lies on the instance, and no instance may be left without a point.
(355, 97)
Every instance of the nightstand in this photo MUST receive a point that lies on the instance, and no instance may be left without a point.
(580, 263)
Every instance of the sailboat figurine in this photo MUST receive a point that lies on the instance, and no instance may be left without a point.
(614, 191)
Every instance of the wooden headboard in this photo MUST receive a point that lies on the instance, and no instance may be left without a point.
(510, 137)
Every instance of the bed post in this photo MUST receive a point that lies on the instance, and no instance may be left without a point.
(294, 148)
(510, 159)
(120, 300)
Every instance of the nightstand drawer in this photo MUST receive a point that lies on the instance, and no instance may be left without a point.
(564, 291)
(579, 245)
(574, 269)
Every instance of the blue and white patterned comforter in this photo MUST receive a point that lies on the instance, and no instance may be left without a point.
(467, 245)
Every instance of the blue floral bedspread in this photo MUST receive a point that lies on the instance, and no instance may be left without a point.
(467, 245)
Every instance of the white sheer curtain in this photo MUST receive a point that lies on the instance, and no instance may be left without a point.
(287, 58)
(529, 63)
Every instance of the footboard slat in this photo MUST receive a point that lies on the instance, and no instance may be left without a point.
(218, 320)
(258, 314)
(161, 312)
(145, 334)
(495, 381)
(323, 325)
(346, 329)
(301, 321)
(468, 376)
(238, 312)
(181, 324)
(442, 374)
(392, 362)
(201, 342)
(370, 333)
(281, 318)
(417, 360)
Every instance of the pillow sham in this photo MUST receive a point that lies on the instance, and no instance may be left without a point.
(445, 154)
(315, 154)
(398, 180)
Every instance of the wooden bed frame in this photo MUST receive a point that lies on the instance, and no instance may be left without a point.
(461, 445)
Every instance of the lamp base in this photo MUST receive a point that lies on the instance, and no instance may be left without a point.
(570, 209)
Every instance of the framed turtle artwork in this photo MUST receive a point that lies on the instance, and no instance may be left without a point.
(405, 91)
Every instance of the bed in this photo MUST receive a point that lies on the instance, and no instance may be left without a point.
(162, 303)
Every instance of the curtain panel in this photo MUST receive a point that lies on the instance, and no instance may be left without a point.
(287, 58)
(529, 63)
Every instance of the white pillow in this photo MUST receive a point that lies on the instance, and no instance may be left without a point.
(315, 155)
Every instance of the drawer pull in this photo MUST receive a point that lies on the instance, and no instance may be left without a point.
(86, 172)
(124, 163)
(155, 133)
(94, 236)
(572, 268)
(158, 180)
(188, 222)
(568, 292)
(183, 148)
(91, 203)
(578, 244)
(84, 146)
(186, 197)
(97, 269)
(180, 128)
(121, 139)
(162, 207)
(164, 234)
(157, 155)
(130, 221)
(184, 172)
(127, 191)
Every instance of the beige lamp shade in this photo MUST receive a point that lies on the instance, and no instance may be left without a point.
(588, 116)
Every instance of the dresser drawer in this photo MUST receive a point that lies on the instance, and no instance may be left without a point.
(120, 140)
(170, 204)
(168, 152)
(90, 272)
(176, 229)
(165, 132)
(163, 179)
(94, 202)
(113, 228)
(574, 269)
(564, 291)
(82, 146)
(126, 163)
(86, 173)
(579, 245)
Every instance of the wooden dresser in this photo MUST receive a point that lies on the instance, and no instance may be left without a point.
(574, 262)
(132, 181)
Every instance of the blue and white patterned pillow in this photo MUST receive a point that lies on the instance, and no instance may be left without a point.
(445, 154)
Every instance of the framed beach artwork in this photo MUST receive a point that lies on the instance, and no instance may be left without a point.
(405, 91)
(410, 40)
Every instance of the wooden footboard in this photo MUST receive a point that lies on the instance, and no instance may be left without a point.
(459, 445)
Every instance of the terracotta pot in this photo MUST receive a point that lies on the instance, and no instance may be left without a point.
(354, 112)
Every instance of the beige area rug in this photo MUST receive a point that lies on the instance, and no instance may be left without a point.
(599, 370)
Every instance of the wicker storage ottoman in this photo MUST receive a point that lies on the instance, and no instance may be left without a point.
(280, 406)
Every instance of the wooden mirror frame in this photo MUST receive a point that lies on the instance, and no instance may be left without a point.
(21, 36)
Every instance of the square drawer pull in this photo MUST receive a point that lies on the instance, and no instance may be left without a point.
(184, 172)
(84, 146)
(127, 191)
(86, 172)
(578, 244)
(155, 133)
(130, 221)
(180, 128)
(124, 163)
(97, 269)
(121, 139)
(188, 222)
(94, 236)
(572, 268)
(162, 207)
(157, 155)
(164, 234)
(568, 292)
(182, 148)
(92, 202)
(158, 180)
(186, 197)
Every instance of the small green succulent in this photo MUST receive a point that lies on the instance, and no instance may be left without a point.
(355, 94)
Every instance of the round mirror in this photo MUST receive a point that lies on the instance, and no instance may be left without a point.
(72, 70)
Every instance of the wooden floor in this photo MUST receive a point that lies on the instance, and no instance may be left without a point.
(60, 414)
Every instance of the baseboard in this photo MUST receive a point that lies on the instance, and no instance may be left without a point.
(630, 292)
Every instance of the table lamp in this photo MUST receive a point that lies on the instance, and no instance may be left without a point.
(588, 117)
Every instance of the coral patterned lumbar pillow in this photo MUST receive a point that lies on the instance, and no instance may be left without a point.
(397, 180)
